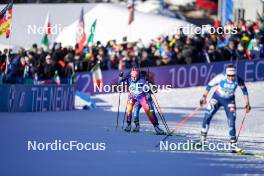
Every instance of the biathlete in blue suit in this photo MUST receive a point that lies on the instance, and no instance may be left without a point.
(224, 96)
(138, 106)
(137, 94)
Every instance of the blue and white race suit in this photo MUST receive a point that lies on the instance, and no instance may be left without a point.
(223, 96)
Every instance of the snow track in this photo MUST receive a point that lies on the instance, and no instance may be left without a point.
(130, 154)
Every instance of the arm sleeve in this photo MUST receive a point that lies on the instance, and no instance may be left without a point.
(145, 83)
(215, 81)
(241, 84)
(123, 80)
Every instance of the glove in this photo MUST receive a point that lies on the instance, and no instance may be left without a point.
(153, 88)
(203, 100)
(121, 74)
(248, 108)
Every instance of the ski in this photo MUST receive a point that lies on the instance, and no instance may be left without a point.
(244, 152)
(165, 134)
(198, 145)
(154, 133)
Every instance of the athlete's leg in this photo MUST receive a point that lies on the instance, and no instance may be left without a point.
(211, 109)
(130, 106)
(152, 117)
(136, 111)
(230, 109)
(150, 103)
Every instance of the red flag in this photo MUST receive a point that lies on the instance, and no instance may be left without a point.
(6, 20)
(47, 27)
(97, 76)
(131, 11)
(80, 35)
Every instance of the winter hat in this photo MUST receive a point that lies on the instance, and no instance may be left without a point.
(230, 70)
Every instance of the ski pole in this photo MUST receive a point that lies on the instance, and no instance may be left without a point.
(159, 110)
(156, 104)
(124, 118)
(180, 124)
(125, 113)
(241, 125)
(162, 119)
(117, 117)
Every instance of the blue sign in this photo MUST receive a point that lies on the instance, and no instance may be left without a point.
(36, 98)
(178, 76)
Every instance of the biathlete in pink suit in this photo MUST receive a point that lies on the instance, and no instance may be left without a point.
(138, 88)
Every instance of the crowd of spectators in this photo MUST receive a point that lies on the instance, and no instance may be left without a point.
(37, 63)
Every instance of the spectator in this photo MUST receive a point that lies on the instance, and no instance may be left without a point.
(49, 68)
(247, 43)
(14, 74)
(214, 55)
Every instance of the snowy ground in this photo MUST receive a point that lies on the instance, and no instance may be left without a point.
(130, 154)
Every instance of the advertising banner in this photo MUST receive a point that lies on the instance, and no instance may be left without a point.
(36, 98)
(177, 76)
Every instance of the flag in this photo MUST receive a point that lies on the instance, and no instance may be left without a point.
(97, 75)
(80, 35)
(250, 48)
(47, 27)
(6, 20)
(131, 11)
(92, 32)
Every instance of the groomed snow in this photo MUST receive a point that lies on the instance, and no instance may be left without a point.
(130, 154)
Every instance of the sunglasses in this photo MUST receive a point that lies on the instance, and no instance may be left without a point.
(231, 75)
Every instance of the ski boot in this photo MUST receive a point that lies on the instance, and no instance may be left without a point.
(137, 127)
(128, 128)
(202, 140)
(203, 136)
(158, 130)
(234, 147)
